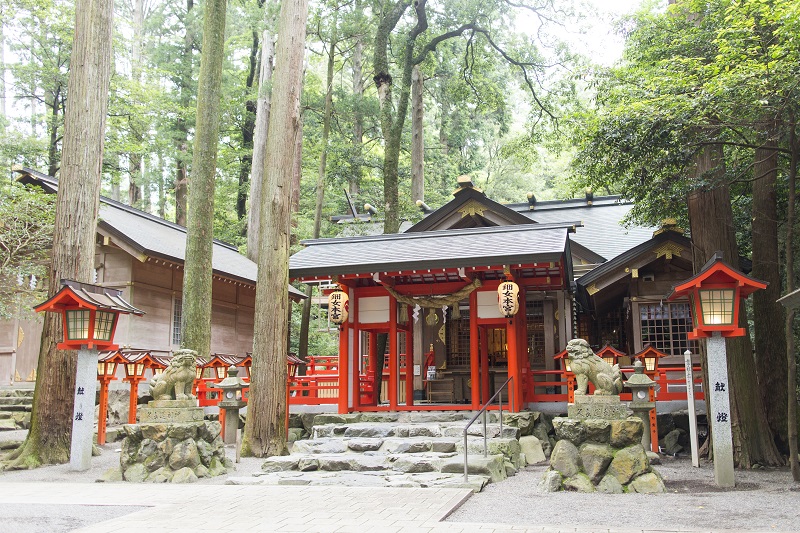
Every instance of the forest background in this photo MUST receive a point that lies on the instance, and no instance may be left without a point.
(700, 112)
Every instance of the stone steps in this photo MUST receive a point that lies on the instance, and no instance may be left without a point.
(15, 409)
(416, 449)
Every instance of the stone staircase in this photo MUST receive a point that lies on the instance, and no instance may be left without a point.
(15, 409)
(409, 449)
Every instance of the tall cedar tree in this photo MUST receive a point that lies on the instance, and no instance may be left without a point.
(197, 280)
(77, 205)
(265, 432)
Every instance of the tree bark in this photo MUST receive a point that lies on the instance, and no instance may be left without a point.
(197, 279)
(136, 194)
(265, 431)
(260, 143)
(791, 355)
(248, 132)
(417, 137)
(356, 161)
(711, 221)
(182, 143)
(768, 314)
(77, 205)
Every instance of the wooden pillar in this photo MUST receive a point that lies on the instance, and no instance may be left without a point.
(512, 337)
(133, 400)
(394, 364)
(410, 361)
(474, 352)
(344, 357)
(486, 376)
(103, 411)
(355, 372)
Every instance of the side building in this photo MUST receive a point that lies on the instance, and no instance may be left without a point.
(143, 255)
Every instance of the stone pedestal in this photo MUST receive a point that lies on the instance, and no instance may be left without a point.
(172, 444)
(600, 453)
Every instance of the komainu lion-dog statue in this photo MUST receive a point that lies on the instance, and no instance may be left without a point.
(587, 366)
(175, 383)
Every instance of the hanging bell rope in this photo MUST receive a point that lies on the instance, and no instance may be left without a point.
(436, 301)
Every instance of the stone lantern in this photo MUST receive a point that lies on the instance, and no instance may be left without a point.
(641, 387)
(231, 392)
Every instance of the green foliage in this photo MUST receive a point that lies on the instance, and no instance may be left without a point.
(26, 237)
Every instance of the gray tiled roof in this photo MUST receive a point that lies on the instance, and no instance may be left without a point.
(434, 249)
(602, 231)
(154, 236)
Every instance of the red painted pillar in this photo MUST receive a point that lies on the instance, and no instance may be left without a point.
(410, 361)
(101, 417)
(394, 365)
(474, 354)
(344, 359)
(133, 400)
(512, 337)
(355, 372)
(486, 376)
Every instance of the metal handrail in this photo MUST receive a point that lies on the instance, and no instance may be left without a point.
(480, 412)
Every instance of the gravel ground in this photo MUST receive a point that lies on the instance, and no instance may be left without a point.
(763, 500)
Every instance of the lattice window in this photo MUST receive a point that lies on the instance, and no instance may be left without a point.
(457, 339)
(177, 315)
(612, 328)
(534, 314)
(665, 327)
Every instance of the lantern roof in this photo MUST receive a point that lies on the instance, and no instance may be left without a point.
(85, 295)
(609, 350)
(649, 351)
(715, 272)
(113, 356)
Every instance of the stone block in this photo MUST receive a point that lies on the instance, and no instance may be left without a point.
(598, 430)
(184, 475)
(111, 475)
(525, 421)
(666, 423)
(370, 430)
(182, 431)
(364, 445)
(162, 475)
(492, 466)
(172, 404)
(155, 432)
(135, 473)
(509, 448)
(570, 429)
(610, 485)
(532, 448)
(595, 459)
(280, 463)
(308, 464)
(626, 432)
(443, 446)
(406, 446)
(671, 442)
(597, 406)
(629, 463)
(565, 459)
(295, 434)
(320, 446)
(201, 471)
(648, 483)
(8, 424)
(327, 418)
(551, 481)
(413, 465)
(216, 468)
(653, 458)
(579, 483)
(170, 415)
(184, 455)
(209, 431)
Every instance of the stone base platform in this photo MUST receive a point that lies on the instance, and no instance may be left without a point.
(177, 452)
(597, 406)
(171, 411)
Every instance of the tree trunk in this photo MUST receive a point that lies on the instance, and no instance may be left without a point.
(711, 221)
(248, 130)
(52, 127)
(77, 205)
(768, 314)
(417, 138)
(136, 194)
(197, 279)
(791, 355)
(135, 180)
(323, 158)
(356, 161)
(182, 143)
(260, 144)
(2, 70)
(265, 431)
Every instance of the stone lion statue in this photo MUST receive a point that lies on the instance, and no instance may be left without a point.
(588, 367)
(175, 383)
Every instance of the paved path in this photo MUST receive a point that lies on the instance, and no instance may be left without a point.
(192, 508)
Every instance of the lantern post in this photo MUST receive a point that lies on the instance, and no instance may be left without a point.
(715, 295)
(106, 369)
(89, 317)
(134, 374)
